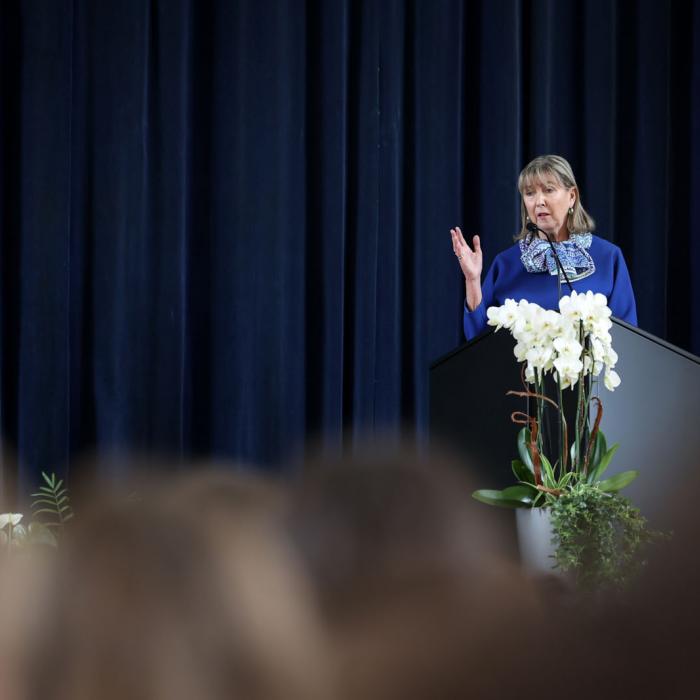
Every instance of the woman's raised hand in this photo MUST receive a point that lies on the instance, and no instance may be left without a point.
(471, 261)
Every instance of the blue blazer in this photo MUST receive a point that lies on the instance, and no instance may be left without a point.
(507, 278)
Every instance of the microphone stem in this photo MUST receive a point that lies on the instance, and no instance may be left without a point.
(558, 262)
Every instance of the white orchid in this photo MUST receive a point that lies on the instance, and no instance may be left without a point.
(11, 519)
(573, 307)
(610, 358)
(592, 309)
(550, 341)
(551, 325)
(540, 357)
(502, 316)
(530, 374)
(526, 323)
(611, 380)
(598, 350)
(494, 316)
(568, 367)
(520, 351)
(567, 347)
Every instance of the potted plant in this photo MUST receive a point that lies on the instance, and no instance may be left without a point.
(564, 498)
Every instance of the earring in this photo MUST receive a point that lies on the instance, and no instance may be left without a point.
(527, 218)
(571, 211)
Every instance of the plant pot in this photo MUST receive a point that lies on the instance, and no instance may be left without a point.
(534, 529)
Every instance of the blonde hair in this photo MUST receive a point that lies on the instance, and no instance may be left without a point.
(580, 221)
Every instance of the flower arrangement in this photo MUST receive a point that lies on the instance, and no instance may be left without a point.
(51, 510)
(572, 346)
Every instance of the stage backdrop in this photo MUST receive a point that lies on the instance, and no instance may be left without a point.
(225, 224)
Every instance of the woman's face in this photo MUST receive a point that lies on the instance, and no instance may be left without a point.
(547, 203)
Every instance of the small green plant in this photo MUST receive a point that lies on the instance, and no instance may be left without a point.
(51, 510)
(52, 501)
(599, 536)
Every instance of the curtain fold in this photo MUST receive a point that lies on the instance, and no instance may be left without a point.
(225, 225)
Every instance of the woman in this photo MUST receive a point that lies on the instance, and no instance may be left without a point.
(550, 200)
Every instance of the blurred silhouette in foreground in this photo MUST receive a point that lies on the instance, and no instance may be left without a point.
(187, 592)
(416, 602)
(372, 578)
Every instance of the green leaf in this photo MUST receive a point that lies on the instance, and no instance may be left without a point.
(524, 450)
(50, 480)
(564, 481)
(52, 499)
(594, 475)
(521, 472)
(541, 496)
(523, 493)
(44, 502)
(619, 481)
(599, 449)
(548, 473)
(50, 511)
(497, 498)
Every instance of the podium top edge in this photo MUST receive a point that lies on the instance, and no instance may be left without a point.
(616, 321)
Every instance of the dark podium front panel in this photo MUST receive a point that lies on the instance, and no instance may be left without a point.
(653, 414)
(469, 409)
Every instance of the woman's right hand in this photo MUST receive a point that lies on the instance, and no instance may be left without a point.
(471, 261)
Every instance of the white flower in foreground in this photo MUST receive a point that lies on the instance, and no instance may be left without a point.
(590, 308)
(568, 347)
(599, 328)
(503, 316)
(509, 313)
(572, 307)
(563, 380)
(520, 351)
(494, 316)
(9, 518)
(540, 357)
(568, 369)
(598, 350)
(611, 380)
(552, 325)
(530, 374)
(610, 358)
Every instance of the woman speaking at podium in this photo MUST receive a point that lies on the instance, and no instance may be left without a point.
(551, 208)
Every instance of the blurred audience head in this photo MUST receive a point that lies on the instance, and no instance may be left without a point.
(185, 590)
(418, 599)
(373, 577)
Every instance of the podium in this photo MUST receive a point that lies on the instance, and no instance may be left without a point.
(654, 414)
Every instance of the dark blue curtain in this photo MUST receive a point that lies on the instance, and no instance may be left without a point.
(225, 224)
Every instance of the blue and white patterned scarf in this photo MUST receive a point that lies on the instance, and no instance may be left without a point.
(536, 255)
